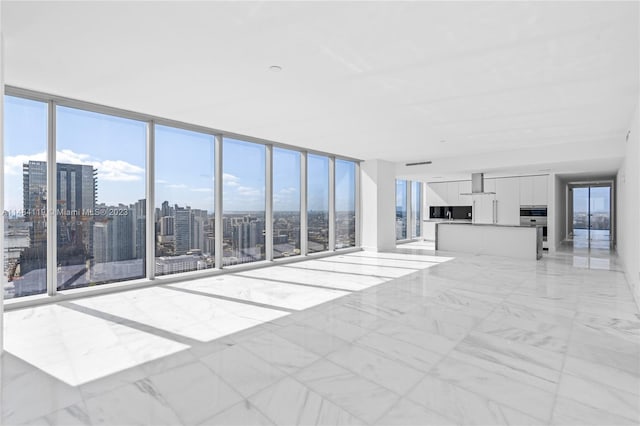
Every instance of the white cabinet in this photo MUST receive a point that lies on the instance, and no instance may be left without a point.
(453, 193)
(533, 190)
(508, 201)
(448, 193)
(429, 231)
(483, 208)
(510, 194)
(465, 188)
(437, 194)
(490, 185)
(526, 190)
(540, 188)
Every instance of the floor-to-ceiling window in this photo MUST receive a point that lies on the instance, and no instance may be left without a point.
(99, 197)
(184, 197)
(286, 203)
(590, 223)
(318, 203)
(101, 206)
(416, 209)
(25, 195)
(345, 203)
(401, 209)
(244, 201)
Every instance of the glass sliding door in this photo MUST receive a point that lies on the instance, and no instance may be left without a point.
(401, 209)
(184, 219)
(580, 214)
(345, 204)
(590, 215)
(244, 201)
(600, 216)
(101, 206)
(286, 203)
(318, 203)
(416, 209)
(25, 197)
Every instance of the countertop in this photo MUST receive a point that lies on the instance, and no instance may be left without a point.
(448, 221)
(486, 224)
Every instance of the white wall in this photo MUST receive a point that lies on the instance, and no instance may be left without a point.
(628, 204)
(378, 188)
(552, 216)
(3, 278)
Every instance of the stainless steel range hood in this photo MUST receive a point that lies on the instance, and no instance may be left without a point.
(477, 185)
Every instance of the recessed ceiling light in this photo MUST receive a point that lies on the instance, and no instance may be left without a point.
(442, 141)
(275, 68)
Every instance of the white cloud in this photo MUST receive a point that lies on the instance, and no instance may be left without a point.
(201, 189)
(290, 190)
(161, 181)
(177, 186)
(247, 191)
(230, 180)
(287, 198)
(108, 170)
(70, 157)
(13, 164)
(118, 170)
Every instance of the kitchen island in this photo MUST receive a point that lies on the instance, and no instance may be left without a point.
(521, 242)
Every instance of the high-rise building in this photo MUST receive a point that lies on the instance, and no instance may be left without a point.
(182, 229)
(199, 220)
(248, 238)
(166, 209)
(75, 203)
(167, 224)
(76, 192)
(117, 224)
(101, 242)
(34, 187)
(139, 215)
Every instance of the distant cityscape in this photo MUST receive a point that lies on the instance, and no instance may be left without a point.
(99, 243)
(401, 223)
(599, 220)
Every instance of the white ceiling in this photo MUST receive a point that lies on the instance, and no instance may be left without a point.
(385, 80)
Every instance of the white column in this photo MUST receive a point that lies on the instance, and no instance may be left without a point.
(150, 224)
(409, 195)
(358, 207)
(332, 203)
(268, 213)
(52, 195)
(218, 201)
(377, 188)
(304, 247)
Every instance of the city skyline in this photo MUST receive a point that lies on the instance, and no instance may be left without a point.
(101, 167)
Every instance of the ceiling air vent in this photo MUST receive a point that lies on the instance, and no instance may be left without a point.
(418, 164)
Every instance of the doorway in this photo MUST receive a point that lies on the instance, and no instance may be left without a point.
(590, 218)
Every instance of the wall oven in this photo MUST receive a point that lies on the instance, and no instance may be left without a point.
(535, 216)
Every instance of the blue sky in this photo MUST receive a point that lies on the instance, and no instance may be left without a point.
(401, 195)
(286, 180)
(600, 199)
(184, 162)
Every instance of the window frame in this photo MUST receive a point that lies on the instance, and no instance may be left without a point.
(151, 121)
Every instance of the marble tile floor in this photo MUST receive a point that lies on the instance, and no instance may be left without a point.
(407, 337)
